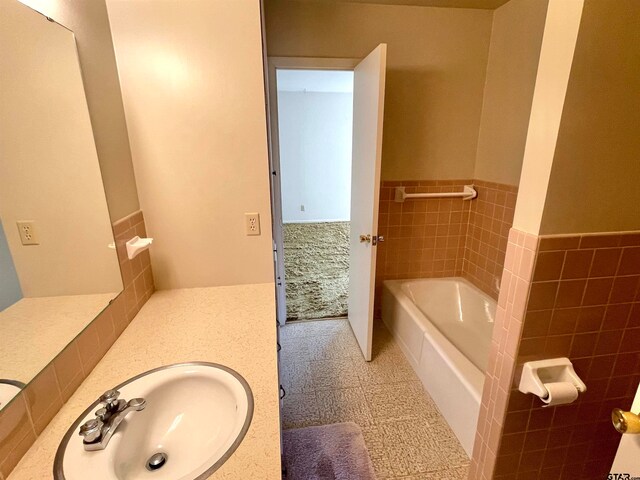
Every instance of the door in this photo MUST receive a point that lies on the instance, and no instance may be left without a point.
(368, 109)
(627, 459)
(276, 193)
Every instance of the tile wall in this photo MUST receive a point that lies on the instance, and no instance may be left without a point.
(581, 300)
(490, 219)
(516, 281)
(427, 238)
(29, 413)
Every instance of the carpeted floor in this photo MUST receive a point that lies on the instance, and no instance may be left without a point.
(327, 452)
(316, 263)
(327, 381)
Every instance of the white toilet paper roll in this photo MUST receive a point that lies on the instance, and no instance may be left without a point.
(560, 393)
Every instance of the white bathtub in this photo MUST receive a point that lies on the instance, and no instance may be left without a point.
(444, 327)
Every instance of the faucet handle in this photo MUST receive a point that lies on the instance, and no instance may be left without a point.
(110, 399)
(91, 430)
(137, 404)
(102, 414)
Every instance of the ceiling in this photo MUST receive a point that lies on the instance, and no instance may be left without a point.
(484, 4)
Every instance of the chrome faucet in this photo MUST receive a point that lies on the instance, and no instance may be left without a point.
(98, 431)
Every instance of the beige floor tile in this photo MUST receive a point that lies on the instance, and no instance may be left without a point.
(293, 350)
(345, 405)
(330, 326)
(340, 344)
(397, 401)
(447, 439)
(300, 410)
(311, 328)
(414, 447)
(377, 452)
(334, 373)
(296, 376)
(383, 342)
(390, 367)
(455, 473)
(292, 330)
(328, 381)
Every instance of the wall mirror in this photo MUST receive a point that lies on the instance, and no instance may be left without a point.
(58, 267)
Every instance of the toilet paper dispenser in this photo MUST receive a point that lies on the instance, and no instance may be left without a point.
(554, 381)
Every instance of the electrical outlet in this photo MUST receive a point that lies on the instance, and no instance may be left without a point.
(252, 223)
(27, 230)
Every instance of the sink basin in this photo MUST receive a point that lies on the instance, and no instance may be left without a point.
(8, 390)
(196, 415)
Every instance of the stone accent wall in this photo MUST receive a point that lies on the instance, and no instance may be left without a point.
(316, 259)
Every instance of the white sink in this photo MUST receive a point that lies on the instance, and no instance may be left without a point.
(196, 415)
(8, 390)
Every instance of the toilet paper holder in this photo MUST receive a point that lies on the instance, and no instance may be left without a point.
(555, 370)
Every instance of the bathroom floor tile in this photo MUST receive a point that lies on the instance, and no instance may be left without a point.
(334, 373)
(328, 381)
(300, 410)
(399, 401)
(383, 341)
(455, 473)
(306, 328)
(335, 345)
(414, 447)
(296, 377)
(294, 330)
(296, 348)
(344, 405)
(386, 368)
(377, 452)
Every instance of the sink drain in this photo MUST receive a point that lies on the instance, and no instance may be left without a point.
(156, 461)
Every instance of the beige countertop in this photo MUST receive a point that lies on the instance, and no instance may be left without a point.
(35, 330)
(233, 326)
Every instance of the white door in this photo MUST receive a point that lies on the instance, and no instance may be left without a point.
(628, 457)
(368, 108)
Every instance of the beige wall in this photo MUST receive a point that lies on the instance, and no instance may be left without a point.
(556, 56)
(516, 38)
(192, 81)
(596, 169)
(88, 20)
(435, 74)
(48, 160)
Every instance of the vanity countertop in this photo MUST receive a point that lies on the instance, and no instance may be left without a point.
(234, 326)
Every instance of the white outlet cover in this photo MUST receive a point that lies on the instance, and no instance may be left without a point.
(28, 233)
(252, 224)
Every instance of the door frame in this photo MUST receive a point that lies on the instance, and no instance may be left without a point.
(274, 64)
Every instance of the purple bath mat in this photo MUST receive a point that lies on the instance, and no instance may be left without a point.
(327, 452)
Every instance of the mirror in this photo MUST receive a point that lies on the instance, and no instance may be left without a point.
(57, 270)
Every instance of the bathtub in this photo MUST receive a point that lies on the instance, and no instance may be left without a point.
(444, 328)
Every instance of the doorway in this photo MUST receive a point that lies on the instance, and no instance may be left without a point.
(315, 124)
(304, 178)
